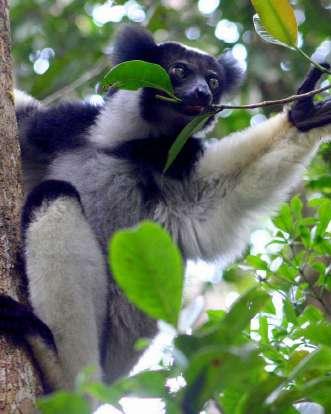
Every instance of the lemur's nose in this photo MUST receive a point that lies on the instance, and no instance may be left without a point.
(203, 94)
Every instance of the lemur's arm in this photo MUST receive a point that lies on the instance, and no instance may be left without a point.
(252, 171)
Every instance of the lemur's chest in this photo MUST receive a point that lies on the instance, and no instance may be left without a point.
(117, 194)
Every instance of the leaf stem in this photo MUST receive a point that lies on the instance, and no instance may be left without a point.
(168, 98)
(317, 65)
(219, 108)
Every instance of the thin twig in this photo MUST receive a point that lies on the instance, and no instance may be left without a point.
(101, 65)
(292, 98)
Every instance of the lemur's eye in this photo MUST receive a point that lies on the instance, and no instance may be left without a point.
(179, 71)
(213, 83)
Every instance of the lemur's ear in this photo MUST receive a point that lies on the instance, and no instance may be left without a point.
(234, 74)
(134, 43)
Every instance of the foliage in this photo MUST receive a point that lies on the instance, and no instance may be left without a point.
(252, 358)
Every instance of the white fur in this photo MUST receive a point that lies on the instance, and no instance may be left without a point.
(120, 120)
(251, 172)
(239, 180)
(68, 284)
(22, 99)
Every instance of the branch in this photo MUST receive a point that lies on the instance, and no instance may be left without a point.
(101, 65)
(219, 108)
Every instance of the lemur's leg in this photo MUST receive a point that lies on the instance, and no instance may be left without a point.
(67, 279)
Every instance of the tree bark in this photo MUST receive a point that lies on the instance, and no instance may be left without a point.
(19, 382)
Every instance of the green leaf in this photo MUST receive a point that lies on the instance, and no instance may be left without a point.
(289, 312)
(148, 267)
(232, 400)
(214, 369)
(195, 125)
(318, 390)
(318, 333)
(324, 213)
(257, 262)
(63, 402)
(135, 74)
(215, 315)
(317, 363)
(228, 329)
(255, 402)
(278, 19)
(149, 384)
(319, 360)
(310, 314)
(284, 220)
(264, 329)
(235, 321)
(263, 33)
(321, 183)
(296, 207)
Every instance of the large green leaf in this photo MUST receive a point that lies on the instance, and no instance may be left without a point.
(195, 125)
(278, 19)
(135, 74)
(148, 267)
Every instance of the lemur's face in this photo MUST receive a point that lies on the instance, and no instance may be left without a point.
(196, 90)
(197, 78)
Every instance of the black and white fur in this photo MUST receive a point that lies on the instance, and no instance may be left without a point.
(101, 170)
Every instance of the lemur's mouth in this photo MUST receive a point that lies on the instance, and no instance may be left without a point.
(193, 109)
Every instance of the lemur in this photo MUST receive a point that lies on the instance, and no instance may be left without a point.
(92, 170)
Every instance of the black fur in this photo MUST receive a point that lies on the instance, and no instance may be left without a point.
(48, 131)
(149, 155)
(305, 114)
(18, 320)
(233, 74)
(134, 43)
(47, 191)
(24, 112)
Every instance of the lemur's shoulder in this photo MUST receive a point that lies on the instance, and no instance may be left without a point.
(51, 129)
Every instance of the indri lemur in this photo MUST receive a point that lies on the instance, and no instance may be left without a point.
(91, 170)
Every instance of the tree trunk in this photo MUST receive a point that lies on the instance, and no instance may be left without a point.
(19, 382)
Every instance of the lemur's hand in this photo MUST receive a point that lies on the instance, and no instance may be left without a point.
(305, 114)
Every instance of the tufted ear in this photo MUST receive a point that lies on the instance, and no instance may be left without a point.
(133, 42)
(234, 74)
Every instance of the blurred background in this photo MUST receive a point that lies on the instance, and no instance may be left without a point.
(60, 46)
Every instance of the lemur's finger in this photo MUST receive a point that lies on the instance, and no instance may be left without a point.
(311, 79)
(314, 75)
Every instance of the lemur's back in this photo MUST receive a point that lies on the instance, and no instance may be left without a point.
(45, 132)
